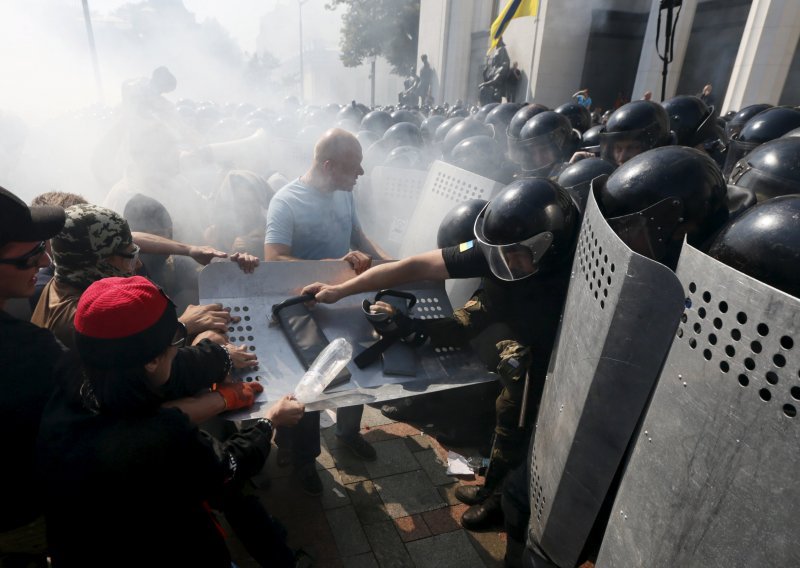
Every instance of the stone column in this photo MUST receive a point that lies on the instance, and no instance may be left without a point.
(765, 54)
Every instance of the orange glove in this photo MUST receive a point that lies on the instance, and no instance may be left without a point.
(238, 395)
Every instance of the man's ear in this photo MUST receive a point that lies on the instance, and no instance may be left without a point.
(151, 366)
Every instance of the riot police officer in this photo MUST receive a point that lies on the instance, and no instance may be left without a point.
(524, 241)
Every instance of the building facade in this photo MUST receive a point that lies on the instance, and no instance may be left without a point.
(746, 49)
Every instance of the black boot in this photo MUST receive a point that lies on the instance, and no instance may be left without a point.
(475, 494)
(484, 515)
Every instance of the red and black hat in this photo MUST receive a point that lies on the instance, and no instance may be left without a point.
(123, 322)
(21, 223)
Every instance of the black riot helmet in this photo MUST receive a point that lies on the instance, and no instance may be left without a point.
(480, 154)
(738, 120)
(692, 120)
(429, 126)
(764, 243)
(458, 226)
(401, 134)
(656, 198)
(404, 115)
(406, 157)
(377, 121)
(578, 115)
(529, 227)
(520, 117)
(765, 126)
(792, 134)
(500, 117)
(351, 113)
(590, 140)
(463, 130)
(577, 178)
(634, 128)
(771, 170)
(444, 128)
(367, 138)
(546, 141)
(458, 112)
(484, 111)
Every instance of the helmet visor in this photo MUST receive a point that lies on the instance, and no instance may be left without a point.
(518, 260)
(762, 184)
(619, 147)
(736, 151)
(649, 231)
(535, 154)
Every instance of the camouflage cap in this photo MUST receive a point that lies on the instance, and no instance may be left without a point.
(90, 236)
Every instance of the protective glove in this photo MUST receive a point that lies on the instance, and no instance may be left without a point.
(238, 395)
(515, 359)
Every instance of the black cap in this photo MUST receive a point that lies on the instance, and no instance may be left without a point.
(21, 223)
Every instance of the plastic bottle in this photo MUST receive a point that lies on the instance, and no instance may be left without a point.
(324, 369)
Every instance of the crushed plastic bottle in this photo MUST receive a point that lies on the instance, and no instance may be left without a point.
(478, 464)
(324, 369)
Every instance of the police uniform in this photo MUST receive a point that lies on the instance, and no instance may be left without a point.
(531, 309)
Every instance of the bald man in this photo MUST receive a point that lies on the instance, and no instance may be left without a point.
(314, 218)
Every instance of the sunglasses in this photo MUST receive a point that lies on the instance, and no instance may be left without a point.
(180, 336)
(132, 256)
(29, 259)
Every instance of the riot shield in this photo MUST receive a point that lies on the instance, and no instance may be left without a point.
(252, 296)
(386, 205)
(445, 187)
(621, 312)
(712, 480)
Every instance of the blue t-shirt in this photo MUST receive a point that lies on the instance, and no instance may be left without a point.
(584, 101)
(315, 224)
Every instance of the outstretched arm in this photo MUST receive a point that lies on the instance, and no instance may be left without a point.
(426, 266)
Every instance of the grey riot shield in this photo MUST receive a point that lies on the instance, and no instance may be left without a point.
(251, 297)
(386, 206)
(620, 315)
(445, 187)
(712, 480)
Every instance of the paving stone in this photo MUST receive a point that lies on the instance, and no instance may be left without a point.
(412, 528)
(350, 467)
(375, 435)
(445, 520)
(325, 459)
(372, 417)
(334, 493)
(387, 546)
(490, 546)
(448, 493)
(313, 535)
(449, 550)
(393, 458)
(361, 561)
(286, 499)
(399, 429)
(408, 493)
(347, 532)
(434, 467)
(420, 443)
(367, 503)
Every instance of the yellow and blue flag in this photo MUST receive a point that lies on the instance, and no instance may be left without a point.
(514, 9)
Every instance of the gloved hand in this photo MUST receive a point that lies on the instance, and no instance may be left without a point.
(238, 395)
(387, 321)
(515, 359)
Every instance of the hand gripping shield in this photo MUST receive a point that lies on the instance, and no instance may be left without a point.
(621, 313)
(712, 480)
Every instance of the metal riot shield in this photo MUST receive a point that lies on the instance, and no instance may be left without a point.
(251, 297)
(386, 206)
(445, 187)
(621, 312)
(712, 480)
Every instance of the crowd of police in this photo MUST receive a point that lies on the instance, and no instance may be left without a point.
(660, 174)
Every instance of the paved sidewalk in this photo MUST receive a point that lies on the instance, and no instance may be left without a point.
(398, 511)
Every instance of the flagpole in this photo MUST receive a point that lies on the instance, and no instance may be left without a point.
(528, 92)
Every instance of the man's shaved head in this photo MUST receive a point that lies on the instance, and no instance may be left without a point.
(335, 145)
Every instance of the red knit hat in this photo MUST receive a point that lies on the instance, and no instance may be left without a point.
(123, 322)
